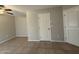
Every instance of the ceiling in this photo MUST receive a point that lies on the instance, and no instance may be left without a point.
(20, 10)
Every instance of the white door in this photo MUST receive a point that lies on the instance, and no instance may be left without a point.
(45, 28)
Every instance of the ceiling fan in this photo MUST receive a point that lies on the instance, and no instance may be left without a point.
(3, 9)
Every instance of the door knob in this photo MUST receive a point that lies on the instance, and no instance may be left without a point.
(48, 28)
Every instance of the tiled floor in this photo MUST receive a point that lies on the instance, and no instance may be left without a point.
(22, 46)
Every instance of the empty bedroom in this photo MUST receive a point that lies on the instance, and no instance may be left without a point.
(39, 29)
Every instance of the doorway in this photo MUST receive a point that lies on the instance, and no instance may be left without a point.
(44, 26)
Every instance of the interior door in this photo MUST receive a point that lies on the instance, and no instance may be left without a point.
(44, 27)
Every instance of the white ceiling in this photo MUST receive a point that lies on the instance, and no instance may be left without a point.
(21, 9)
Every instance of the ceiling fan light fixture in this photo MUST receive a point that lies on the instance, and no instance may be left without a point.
(8, 10)
(5, 10)
(2, 11)
(2, 6)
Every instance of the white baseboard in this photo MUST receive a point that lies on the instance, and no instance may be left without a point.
(57, 41)
(72, 43)
(47, 40)
(33, 40)
(21, 35)
(7, 39)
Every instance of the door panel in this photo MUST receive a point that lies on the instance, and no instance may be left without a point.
(44, 25)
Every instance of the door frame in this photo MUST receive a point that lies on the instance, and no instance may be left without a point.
(39, 27)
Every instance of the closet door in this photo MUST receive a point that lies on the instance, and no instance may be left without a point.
(44, 25)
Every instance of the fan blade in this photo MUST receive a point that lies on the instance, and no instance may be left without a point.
(10, 13)
(8, 10)
(2, 6)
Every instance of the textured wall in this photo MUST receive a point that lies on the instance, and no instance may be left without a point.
(7, 27)
(71, 24)
(32, 26)
(21, 26)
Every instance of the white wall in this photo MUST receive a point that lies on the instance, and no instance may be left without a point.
(32, 26)
(71, 24)
(21, 26)
(7, 27)
(56, 24)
